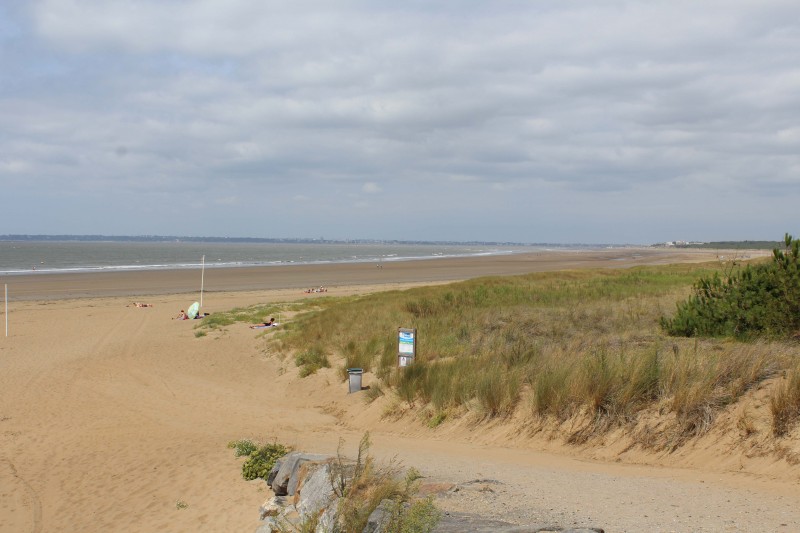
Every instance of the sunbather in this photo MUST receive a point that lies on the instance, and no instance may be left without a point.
(269, 324)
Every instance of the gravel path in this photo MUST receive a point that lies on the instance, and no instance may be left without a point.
(525, 487)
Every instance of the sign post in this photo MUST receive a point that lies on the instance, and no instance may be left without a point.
(202, 279)
(406, 346)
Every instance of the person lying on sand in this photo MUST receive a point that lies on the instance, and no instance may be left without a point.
(140, 304)
(181, 316)
(269, 324)
(202, 315)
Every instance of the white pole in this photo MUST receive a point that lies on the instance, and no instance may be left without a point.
(6, 309)
(202, 281)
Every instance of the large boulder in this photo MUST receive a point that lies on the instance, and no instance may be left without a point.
(316, 491)
(290, 465)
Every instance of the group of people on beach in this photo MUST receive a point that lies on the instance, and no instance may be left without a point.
(311, 290)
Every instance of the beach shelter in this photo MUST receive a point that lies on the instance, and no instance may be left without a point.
(193, 310)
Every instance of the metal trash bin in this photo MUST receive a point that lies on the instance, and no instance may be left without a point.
(354, 375)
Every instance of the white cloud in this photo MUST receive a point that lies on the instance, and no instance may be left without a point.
(371, 187)
(301, 104)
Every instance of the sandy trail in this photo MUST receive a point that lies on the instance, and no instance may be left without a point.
(114, 417)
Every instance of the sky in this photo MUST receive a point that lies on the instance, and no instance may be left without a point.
(508, 121)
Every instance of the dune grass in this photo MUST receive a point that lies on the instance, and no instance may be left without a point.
(557, 345)
(253, 314)
(785, 403)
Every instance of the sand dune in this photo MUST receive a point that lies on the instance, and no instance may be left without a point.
(111, 415)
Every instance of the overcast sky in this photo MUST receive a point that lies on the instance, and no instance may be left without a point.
(529, 121)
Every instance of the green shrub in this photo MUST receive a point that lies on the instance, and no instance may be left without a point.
(243, 447)
(761, 300)
(419, 516)
(262, 460)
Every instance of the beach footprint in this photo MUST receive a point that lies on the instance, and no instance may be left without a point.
(20, 508)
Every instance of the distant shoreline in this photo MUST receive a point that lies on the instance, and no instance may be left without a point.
(72, 285)
(276, 240)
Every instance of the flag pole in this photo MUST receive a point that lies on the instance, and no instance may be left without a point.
(202, 280)
(6, 309)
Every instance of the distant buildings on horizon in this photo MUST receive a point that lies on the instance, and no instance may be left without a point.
(679, 244)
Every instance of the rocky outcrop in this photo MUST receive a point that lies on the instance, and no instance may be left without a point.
(302, 488)
(286, 477)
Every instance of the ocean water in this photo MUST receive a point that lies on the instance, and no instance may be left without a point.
(17, 257)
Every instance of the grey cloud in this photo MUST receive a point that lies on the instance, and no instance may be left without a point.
(487, 108)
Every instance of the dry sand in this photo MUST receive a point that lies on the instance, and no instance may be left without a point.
(111, 415)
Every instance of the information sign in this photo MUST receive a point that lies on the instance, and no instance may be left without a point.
(406, 346)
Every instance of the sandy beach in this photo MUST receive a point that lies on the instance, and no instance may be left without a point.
(36, 286)
(112, 415)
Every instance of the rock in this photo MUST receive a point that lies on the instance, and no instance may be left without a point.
(274, 471)
(271, 507)
(270, 525)
(301, 472)
(289, 466)
(327, 520)
(316, 491)
(375, 522)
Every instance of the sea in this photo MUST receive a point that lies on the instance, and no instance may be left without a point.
(43, 257)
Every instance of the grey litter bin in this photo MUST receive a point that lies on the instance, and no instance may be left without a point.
(354, 375)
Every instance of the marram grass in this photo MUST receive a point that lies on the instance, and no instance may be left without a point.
(557, 345)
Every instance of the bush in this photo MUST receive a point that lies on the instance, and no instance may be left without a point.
(243, 447)
(261, 461)
(760, 300)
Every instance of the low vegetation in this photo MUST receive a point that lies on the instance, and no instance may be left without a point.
(363, 486)
(360, 487)
(582, 345)
(785, 403)
(260, 457)
(253, 314)
(310, 360)
(761, 300)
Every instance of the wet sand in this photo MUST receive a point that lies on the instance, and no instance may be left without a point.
(158, 282)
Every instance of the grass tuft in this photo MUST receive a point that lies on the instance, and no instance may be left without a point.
(785, 403)
(311, 360)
